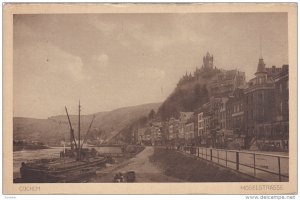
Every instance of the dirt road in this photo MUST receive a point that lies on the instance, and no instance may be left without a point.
(145, 170)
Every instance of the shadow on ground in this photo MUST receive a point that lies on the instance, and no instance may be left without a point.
(190, 169)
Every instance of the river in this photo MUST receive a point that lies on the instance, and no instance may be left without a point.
(53, 152)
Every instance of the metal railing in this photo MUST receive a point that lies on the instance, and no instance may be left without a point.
(263, 166)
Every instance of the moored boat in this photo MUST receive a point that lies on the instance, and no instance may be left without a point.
(60, 170)
(74, 164)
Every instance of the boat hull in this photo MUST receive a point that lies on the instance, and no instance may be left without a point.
(79, 171)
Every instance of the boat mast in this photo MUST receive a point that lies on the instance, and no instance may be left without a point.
(72, 139)
(79, 131)
(87, 133)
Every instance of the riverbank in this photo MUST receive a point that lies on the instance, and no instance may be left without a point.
(190, 169)
(29, 147)
(140, 164)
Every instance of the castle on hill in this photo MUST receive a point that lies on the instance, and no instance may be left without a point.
(220, 81)
(236, 114)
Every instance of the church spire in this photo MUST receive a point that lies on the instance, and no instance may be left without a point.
(261, 69)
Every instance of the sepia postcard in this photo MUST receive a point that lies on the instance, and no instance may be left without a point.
(150, 98)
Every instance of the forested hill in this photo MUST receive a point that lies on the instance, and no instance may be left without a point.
(191, 92)
(55, 129)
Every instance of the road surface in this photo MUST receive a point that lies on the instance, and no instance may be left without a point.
(145, 170)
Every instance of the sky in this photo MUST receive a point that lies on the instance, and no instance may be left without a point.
(110, 61)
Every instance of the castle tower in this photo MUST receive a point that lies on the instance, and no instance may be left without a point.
(208, 61)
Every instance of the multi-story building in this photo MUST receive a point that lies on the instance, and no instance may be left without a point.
(226, 82)
(173, 129)
(215, 109)
(273, 71)
(206, 140)
(156, 130)
(218, 108)
(235, 117)
(183, 119)
(281, 121)
(222, 113)
(189, 132)
(203, 124)
(235, 111)
(259, 100)
(200, 128)
(282, 95)
(238, 113)
(145, 135)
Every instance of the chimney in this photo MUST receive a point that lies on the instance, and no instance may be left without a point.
(285, 67)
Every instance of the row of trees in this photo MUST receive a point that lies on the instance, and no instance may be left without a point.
(183, 99)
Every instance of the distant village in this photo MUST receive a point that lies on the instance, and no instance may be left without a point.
(238, 115)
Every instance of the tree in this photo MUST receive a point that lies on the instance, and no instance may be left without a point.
(151, 115)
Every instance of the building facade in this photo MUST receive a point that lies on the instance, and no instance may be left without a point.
(239, 114)
(236, 112)
(281, 122)
(226, 82)
(173, 129)
(189, 132)
(183, 119)
(200, 128)
(260, 103)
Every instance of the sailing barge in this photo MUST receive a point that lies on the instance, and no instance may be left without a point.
(74, 165)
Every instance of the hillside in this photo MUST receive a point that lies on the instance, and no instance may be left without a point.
(55, 129)
(191, 92)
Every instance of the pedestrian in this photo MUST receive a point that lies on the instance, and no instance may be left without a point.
(121, 178)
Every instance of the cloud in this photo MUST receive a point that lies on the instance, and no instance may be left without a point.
(59, 56)
(59, 61)
(45, 59)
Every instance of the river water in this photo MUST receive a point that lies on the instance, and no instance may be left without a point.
(53, 152)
